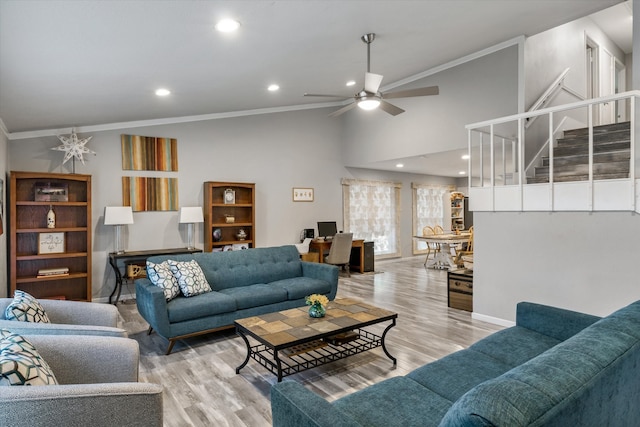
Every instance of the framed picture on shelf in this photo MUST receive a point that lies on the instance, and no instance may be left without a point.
(229, 196)
(51, 192)
(51, 243)
(302, 194)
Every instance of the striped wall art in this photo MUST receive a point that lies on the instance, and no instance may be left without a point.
(150, 194)
(149, 153)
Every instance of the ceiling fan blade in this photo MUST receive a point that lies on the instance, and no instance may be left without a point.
(390, 108)
(326, 95)
(372, 82)
(423, 91)
(343, 110)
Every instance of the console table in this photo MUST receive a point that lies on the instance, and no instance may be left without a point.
(138, 257)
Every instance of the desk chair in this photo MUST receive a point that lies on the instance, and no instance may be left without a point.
(340, 251)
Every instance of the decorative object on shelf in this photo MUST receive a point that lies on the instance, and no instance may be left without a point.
(51, 192)
(302, 194)
(190, 215)
(242, 235)
(216, 235)
(229, 196)
(50, 243)
(149, 153)
(135, 271)
(51, 218)
(229, 219)
(150, 194)
(317, 305)
(239, 246)
(118, 216)
(74, 148)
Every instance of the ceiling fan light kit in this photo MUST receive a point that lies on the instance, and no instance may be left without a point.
(369, 98)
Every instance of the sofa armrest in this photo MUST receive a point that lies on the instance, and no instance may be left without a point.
(152, 306)
(554, 322)
(292, 405)
(96, 405)
(326, 272)
(80, 313)
(33, 328)
(89, 359)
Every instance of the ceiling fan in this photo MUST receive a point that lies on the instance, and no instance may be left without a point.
(369, 98)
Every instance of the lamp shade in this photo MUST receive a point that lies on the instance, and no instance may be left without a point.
(191, 214)
(118, 215)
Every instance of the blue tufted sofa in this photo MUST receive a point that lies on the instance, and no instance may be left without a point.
(554, 368)
(245, 283)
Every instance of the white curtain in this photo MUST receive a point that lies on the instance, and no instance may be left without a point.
(428, 209)
(372, 213)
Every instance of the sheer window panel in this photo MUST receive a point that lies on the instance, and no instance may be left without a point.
(428, 209)
(372, 213)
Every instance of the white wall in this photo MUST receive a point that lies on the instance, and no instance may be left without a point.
(581, 261)
(481, 89)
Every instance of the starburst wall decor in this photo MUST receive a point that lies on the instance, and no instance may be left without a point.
(74, 148)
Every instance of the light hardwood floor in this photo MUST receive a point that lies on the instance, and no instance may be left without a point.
(201, 387)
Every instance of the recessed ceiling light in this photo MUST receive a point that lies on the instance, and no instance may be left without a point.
(461, 173)
(273, 88)
(351, 83)
(227, 25)
(163, 92)
(400, 165)
(465, 157)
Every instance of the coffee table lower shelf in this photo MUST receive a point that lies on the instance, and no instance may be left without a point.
(291, 360)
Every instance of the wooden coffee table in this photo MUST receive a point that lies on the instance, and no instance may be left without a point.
(290, 341)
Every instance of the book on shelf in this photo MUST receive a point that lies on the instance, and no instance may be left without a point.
(48, 272)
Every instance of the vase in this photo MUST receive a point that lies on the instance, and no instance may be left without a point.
(317, 310)
(51, 218)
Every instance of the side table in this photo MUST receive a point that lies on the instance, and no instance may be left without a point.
(138, 256)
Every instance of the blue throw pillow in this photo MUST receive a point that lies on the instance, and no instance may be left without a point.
(25, 308)
(190, 277)
(160, 275)
(20, 363)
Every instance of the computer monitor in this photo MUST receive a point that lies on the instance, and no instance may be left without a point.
(327, 229)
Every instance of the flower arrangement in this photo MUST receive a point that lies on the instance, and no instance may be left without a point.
(315, 299)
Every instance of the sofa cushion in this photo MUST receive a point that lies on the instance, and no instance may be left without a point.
(397, 401)
(454, 375)
(25, 308)
(20, 363)
(256, 295)
(190, 277)
(514, 346)
(161, 276)
(207, 304)
(300, 287)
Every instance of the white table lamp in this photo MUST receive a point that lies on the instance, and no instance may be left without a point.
(118, 216)
(190, 215)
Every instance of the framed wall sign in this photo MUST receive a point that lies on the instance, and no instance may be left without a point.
(302, 194)
(50, 243)
(229, 196)
(51, 192)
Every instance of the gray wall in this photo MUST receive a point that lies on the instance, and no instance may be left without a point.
(4, 166)
(478, 90)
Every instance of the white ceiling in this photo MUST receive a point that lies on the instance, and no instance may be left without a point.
(84, 63)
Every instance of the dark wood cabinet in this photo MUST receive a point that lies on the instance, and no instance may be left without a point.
(229, 207)
(460, 289)
(34, 248)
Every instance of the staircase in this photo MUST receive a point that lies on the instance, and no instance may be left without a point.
(611, 155)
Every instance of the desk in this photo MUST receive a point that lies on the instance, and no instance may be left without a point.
(322, 246)
(138, 256)
(443, 257)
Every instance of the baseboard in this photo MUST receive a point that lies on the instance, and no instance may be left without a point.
(491, 319)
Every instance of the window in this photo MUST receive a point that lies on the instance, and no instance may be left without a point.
(372, 213)
(428, 209)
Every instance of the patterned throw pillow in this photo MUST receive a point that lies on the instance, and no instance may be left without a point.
(25, 308)
(161, 276)
(190, 277)
(20, 363)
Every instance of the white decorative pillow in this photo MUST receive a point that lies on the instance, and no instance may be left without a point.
(25, 308)
(20, 363)
(190, 277)
(161, 276)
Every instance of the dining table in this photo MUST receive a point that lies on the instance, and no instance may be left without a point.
(444, 258)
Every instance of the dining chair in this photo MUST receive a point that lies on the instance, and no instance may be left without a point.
(426, 232)
(340, 251)
(465, 250)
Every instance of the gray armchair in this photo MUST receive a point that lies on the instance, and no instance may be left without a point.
(98, 386)
(340, 251)
(68, 318)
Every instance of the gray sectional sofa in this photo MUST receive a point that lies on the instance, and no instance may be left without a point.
(245, 283)
(554, 368)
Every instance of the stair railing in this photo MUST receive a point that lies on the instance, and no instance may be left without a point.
(550, 93)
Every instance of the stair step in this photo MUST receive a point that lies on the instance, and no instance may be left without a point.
(597, 139)
(568, 178)
(574, 150)
(598, 168)
(583, 159)
(598, 129)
